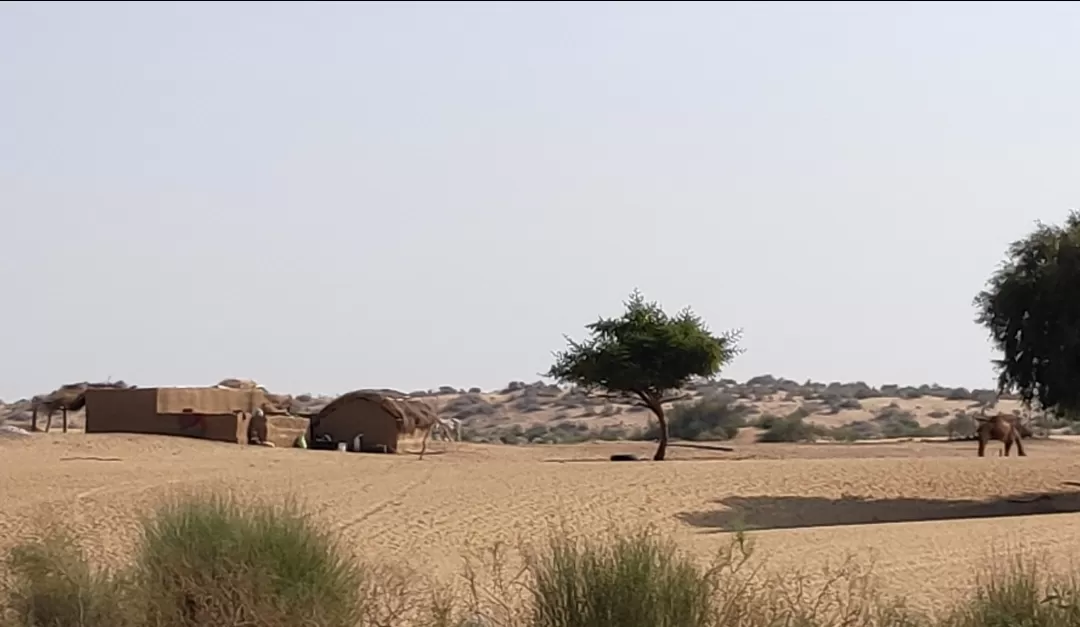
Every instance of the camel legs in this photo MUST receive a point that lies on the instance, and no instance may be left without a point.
(982, 446)
(1019, 446)
(423, 445)
(1008, 445)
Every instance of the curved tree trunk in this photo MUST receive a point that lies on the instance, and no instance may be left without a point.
(661, 420)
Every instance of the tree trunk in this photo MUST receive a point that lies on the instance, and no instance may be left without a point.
(661, 450)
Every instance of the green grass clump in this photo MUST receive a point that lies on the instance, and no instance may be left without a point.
(628, 581)
(53, 585)
(217, 562)
(1019, 595)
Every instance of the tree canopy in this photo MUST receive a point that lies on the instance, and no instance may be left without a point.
(1031, 307)
(645, 355)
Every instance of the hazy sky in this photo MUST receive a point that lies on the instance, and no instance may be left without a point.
(331, 196)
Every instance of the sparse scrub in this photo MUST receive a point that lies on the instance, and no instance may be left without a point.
(791, 428)
(961, 426)
(215, 562)
(627, 581)
(710, 418)
(857, 430)
(54, 585)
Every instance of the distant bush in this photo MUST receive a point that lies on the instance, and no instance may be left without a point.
(469, 405)
(710, 418)
(961, 426)
(837, 404)
(909, 393)
(791, 428)
(766, 421)
(857, 430)
(958, 394)
(897, 423)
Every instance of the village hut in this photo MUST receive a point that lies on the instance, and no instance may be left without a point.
(368, 421)
(209, 413)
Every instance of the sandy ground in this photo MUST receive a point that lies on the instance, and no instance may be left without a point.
(926, 513)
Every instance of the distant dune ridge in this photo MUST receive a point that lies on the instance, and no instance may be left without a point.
(543, 413)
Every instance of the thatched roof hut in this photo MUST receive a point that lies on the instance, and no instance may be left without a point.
(377, 418)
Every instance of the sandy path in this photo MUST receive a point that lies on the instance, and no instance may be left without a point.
(925, 512)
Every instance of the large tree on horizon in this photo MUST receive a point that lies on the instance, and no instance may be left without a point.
(1031, 308)
(645, 356)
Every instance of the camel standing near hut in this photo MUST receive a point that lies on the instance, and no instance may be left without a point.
(1005, 429)
(69, 397)
(448, 429)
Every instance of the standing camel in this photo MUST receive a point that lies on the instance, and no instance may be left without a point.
(1005, 429)
(448, 429)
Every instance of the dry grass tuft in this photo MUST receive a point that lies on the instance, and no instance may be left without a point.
(214, 561)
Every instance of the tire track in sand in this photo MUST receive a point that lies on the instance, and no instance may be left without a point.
(380, 505)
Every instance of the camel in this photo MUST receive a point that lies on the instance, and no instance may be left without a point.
(448, 429)
(1005, 429)
(69, 397)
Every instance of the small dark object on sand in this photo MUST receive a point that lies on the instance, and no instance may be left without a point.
(624, 457)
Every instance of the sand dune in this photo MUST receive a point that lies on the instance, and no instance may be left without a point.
(927, 513)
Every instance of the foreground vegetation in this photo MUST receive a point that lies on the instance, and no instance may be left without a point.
(215, 562)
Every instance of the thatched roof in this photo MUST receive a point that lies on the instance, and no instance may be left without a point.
(239, 384)
(72, 395)
(410, 414)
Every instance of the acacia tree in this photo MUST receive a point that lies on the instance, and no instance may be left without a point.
(645, 357)
(1031, 307)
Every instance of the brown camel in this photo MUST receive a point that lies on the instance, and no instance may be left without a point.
(1005, 429)
(70, 397)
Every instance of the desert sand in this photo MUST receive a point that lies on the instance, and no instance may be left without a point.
(927, 514)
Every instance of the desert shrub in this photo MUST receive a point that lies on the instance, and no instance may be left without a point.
(838, 404)
(627, 581)
(710, 418)
(536, 431)
(800, 412)
(959, 394)
(214, 561)
(909, 393)
(938, 414)
(857, 430)
(933, 431)
(53, 585)
(612, 433)
(1019, 595)
(475, 390)
(897, 423)
(1050, 421)
(469, 405)
(791, 428)
(961, 426)
(987, 398)
(766, 421)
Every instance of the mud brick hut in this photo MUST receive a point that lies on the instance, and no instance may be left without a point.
(209, 413)
(371, 419)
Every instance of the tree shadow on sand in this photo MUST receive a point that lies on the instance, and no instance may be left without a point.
(793, 512)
